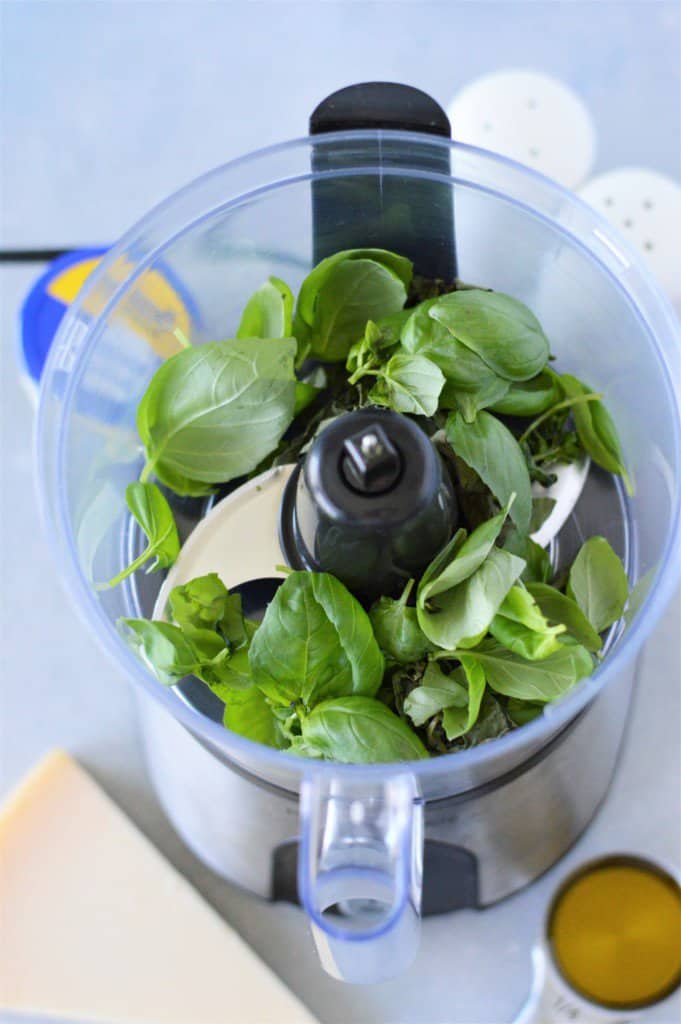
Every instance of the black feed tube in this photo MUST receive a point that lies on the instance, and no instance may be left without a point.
(408, 215)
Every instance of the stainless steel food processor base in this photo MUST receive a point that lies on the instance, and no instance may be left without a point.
(481, 846)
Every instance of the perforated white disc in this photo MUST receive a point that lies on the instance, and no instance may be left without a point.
(530, 117)
(646, 207)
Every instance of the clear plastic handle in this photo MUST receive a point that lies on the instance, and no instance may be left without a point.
(360, 872)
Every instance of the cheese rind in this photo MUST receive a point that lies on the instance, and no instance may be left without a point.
(96, 925)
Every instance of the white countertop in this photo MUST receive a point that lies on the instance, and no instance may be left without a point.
(106, 108)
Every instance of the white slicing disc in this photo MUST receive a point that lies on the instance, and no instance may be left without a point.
(238, 539)
(645, 207)
(565, 492)
(530, 117)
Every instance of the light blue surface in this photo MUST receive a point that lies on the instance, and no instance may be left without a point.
(111, 106)
(106, 108)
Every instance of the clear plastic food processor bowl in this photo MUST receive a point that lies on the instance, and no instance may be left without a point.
(191, 264)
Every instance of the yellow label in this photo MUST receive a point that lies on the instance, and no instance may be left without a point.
(65, 286)
(151, 307)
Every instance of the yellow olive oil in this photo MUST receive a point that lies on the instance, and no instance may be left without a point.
(615, 933)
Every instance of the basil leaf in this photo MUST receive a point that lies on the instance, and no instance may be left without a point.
(502, 331)
(541, 510)
(491, 723)
(213, 413)
(360, 730)
(596, 430)
(468, 608)
(528, 398)
(305, 395)
(308, 296)
(519, 606)
(248, 714)
(379, 340)
(598, 583)
(523, 711)
(543, 681)
(153, 513)
(520, 626)
(538, 568)
(205, 603)
(350, 292)
(436, 692)
(489, 448)
(469, 403)
(314, 642)
(457, 721)
(396, 629)
(463, 369)
(409, 384)
(269, 312)
(163, 648)
(459, 559)
(559, 608)
(234, 671)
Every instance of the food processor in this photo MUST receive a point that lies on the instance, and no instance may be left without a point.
(365, 849)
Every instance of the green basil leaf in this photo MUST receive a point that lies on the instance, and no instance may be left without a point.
(469, 403)
(360, 730)
(491, 723)
(396, 629)
(248, 713)
(153, 513)
(519, 606)
(596, 430)
(205, 603)
(489, 448)
(543, 681)
(352, 292)
(598, 583)
(541, 510)
(523, 711)
(234, 671)
(163, 648)
(214, 412)
(200, 603)
(468, 608)
(314, 642)
(463, 369)
(308, 296)
(184, 485)
(305, 395)
(561, 609)
(457, 721)
(502, 331)
(269, 312)
(528, 398)
(538, 568)
(459, 559)
(409, 384)
(436, 692)
(520, 626)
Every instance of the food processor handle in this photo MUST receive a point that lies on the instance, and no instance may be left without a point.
(360, 873)
(552, 1002)
(411, 214)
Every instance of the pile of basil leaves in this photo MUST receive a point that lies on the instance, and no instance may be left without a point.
(488, 635)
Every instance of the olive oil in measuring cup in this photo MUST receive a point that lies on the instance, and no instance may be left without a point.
(612, 945)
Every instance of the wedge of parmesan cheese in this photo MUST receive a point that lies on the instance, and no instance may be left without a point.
(96, 925)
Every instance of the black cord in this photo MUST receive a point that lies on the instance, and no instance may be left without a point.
(31, 255)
